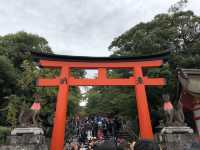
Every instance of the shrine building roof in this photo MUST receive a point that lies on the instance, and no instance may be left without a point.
(190, 80)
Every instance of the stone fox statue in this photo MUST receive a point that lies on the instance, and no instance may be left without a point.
(29, 116)
(168, 109)
(179, 117)
(174, 115)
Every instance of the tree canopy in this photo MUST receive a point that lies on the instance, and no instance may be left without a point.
(178, 32)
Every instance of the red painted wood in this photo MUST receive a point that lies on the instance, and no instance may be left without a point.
(51, 64)
(57, 140)
(154, 81)
(102, 73)
(101, 82)
(142, 107)
(48, 82)
(95, 65)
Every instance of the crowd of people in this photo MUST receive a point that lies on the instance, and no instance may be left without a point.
(97, 127)
(101, 133)
(110, 144)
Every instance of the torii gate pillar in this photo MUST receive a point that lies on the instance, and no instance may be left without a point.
(142, 107)
(65, 80)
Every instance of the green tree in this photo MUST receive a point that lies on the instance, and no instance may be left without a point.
(111, 101)
(17, 47)
(8, 76)
(13, 109)
(178, 32)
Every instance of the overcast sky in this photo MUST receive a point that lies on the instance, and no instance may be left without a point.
(80, 27)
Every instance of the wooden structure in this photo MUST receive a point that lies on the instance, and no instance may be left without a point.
(138, 81)
(190, 94)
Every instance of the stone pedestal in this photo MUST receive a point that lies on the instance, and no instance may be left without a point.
(23, 147)
(177, 130)
(21, 131)
(177, 138)
(25, 139)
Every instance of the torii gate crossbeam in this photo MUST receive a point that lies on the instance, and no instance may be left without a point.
(138, 81)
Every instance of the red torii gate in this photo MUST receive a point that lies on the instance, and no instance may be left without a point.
(137, 80)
